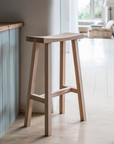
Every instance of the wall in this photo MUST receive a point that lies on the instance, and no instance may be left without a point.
(41, 17)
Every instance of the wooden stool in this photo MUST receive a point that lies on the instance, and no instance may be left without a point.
(47, 97)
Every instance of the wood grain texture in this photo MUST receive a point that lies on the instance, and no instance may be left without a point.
(54, 38)
(62, 76)
(39, 98)
(48, 97)
(8, 26)
(31, 85)
(3, 28)
(72, 89)
(61, 92)
(79, 80)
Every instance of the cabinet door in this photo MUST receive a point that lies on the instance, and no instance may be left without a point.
(9, 78)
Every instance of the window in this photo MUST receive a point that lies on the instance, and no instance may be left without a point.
(90, 9)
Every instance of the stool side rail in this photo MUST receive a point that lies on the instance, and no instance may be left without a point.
(41, 98)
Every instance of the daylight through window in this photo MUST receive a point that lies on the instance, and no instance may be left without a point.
(90, 9)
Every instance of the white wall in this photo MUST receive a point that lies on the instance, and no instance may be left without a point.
(41, 17)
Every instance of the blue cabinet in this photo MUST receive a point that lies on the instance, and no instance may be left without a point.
(9, 77)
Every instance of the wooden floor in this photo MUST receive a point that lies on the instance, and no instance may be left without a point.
(97, 63)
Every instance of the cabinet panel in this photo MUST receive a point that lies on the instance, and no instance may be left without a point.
(14, 74)
(9, 78)
(5, 76)
(1, 79)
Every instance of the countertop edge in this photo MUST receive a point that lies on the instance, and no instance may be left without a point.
(7, 26)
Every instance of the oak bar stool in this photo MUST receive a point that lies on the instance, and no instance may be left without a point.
(47, 97)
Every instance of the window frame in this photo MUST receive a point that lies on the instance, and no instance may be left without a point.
(92, 10)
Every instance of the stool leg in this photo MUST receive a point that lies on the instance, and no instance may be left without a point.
(48, 98)
(31, 86)
(79, 80)
(62, 75)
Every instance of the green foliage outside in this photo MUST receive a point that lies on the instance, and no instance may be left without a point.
(86, 13)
